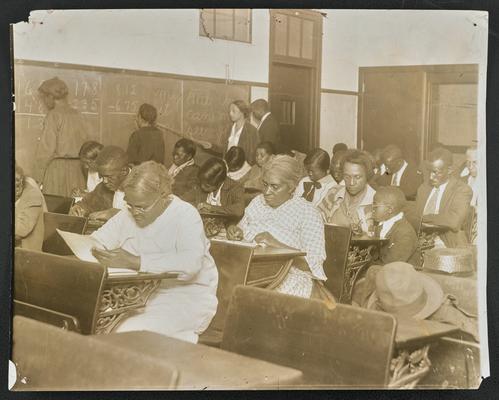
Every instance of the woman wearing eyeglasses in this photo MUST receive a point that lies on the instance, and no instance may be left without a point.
(277, 218)
(161, 233)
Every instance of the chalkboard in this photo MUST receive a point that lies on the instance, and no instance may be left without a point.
(109, 99)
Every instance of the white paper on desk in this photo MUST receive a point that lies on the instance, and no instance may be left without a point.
(237, 242)
(81, 245)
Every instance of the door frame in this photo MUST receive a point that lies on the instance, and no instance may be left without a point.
(431, 74)
(314, 65)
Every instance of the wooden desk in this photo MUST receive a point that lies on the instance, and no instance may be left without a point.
(122, 294)
(215, 222)
(270, 265)
(202, 367)
(416, 333)
(362, 251)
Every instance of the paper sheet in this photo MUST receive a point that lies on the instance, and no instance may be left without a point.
(81, 246)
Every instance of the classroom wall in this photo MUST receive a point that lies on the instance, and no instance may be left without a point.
(362, 38)
(169, 41)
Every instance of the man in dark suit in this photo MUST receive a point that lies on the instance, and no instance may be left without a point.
(267, 125)
(442, 203)
(399, 172)
(402, 245)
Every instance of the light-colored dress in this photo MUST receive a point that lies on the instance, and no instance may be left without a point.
(295, 223)
(174, 242)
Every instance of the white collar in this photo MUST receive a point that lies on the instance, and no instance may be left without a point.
(387, 225)
(398, 175)
(236, 175)
(174, 170)
(263, 119)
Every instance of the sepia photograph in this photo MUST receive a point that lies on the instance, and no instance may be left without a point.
(240, 199)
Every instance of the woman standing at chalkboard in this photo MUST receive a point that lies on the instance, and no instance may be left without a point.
(146, 143)
(242, 133)
(64, 130)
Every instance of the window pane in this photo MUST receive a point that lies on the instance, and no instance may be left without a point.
(242, 25)
(224, 23)
(207, 17)
(307, 49)
(281, 29)
(294, 37)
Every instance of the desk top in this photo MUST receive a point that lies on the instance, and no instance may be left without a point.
(366, 240)
(203, 367)
(412, 332)
(276, 252)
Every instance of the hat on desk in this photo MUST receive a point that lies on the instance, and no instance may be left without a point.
(403, 291)
(455, 261)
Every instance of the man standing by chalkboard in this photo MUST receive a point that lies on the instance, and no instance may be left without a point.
(267, 125)
(64, 131)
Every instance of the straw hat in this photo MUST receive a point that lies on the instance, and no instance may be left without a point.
(403, 291)
(456, 261)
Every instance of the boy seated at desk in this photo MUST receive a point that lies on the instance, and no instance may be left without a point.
(160, 233)
(106, 200)
(28, 209)
(184, 170)
(392, 225)
(217, 193)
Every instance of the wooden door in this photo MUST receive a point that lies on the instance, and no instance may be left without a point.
(391, 110)
(294, 75)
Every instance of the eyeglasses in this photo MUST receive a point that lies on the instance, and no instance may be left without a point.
(142, 210)
(380, 205)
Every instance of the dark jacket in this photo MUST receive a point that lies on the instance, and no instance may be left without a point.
(231, 197)
(146, 144)
(454, 208)
(184, 182)
(409, 182)
(402, 244)
(101, 198)
(269, 131)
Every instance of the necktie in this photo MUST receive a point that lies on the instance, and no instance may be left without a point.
(431, 205)
(309, 190)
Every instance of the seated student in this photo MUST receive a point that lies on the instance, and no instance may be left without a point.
(265, 151)
(469, 173)
(351, 204)
(28, 209)
(399, 172)
(319, 182)
(107, 198)
(392, 225)
(161, 233)
(216, 191)
(277, 218)
(237, 167)
(339, 147)
(442, 202)
(147, 142)
(336, 167)
(184, 171)
(88, 153)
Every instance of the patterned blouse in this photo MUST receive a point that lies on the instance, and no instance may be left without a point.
(296, 223)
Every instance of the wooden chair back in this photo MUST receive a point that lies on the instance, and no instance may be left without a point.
(337, 247)
(233, 263)
(58, 204)
(57, 290)
(336, 346)
(53, 359)
(53, 243)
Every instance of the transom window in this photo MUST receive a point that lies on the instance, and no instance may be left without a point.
(226, 23)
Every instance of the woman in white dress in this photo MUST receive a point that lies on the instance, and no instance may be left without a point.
(161, 233)
(278, 218)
